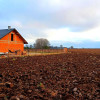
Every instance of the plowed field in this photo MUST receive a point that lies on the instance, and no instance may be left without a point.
(72, 76)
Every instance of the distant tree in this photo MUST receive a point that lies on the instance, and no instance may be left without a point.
(26, 47)
(61, 46)
(31, 46)
(41, 44)
(56, 47)
(71, 47)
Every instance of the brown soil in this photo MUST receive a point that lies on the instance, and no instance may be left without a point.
(72, 76)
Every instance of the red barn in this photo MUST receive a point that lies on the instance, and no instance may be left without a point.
(10, 39)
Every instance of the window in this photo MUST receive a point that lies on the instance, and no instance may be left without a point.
(12, 37)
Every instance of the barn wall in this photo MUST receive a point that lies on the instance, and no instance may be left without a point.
(6, 43)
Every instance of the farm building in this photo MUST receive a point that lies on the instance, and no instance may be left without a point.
(11, 40)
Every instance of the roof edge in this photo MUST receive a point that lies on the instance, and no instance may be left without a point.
(12, 29)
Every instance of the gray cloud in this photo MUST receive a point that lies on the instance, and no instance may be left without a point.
(34, 16)
(74, 14)
(78, 15)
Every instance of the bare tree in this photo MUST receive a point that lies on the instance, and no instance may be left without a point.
(71, 47)
(41, 43)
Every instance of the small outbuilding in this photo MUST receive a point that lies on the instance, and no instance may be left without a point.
(11, 40)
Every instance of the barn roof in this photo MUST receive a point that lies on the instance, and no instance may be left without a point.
(4, 32)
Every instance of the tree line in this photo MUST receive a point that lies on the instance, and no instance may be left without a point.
(43, 43)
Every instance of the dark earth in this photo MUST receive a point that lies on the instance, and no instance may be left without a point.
(70, 76)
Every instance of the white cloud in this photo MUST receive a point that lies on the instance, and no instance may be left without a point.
(30, 38)
(35, 25)
(76, 14)
(52, 2)
(64, 34)
(16, 23)
(61, 20)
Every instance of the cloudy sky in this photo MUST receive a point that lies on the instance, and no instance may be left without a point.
(63, 22)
